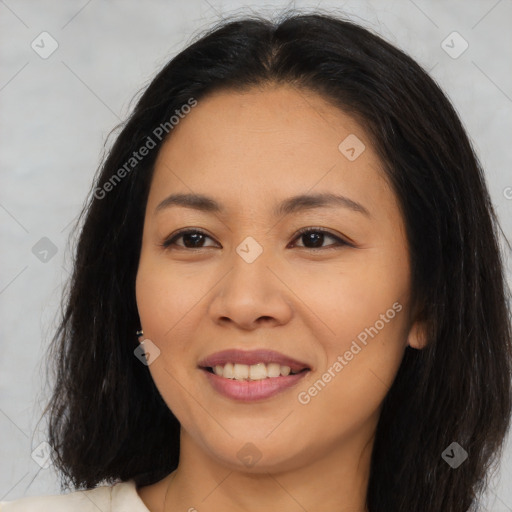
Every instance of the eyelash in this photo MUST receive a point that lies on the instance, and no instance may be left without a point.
(339, 241)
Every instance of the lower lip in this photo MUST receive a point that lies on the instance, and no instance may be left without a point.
(252, 390)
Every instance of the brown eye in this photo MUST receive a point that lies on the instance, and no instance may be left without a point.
(192, 239)
(311, 238)
(314, 238)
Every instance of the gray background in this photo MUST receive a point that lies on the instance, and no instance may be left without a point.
(57, 112)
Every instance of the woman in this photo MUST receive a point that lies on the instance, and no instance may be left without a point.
(287, 292)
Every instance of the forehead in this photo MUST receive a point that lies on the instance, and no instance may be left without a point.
(264, 143)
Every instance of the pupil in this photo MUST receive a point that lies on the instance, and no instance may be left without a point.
(316, 238)
(196, 237)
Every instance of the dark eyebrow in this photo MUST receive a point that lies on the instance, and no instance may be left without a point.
(310, 201)
(194, 201)
(287, 207)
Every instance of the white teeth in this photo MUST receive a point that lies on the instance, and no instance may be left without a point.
(273, 370)
(285, 370)
(241, 371)
(228, 371)
(257, 371)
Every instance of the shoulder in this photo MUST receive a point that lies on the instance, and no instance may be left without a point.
(107, 498)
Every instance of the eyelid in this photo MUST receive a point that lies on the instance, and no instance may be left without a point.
(171, 238)
(340, 240)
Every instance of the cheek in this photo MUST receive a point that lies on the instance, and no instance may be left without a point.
(361, 364)
(365, 308)
(351, 295)
(360, 314)
(164, 297)
(163, 301)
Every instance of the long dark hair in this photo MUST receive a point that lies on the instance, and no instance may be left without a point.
(107, 420)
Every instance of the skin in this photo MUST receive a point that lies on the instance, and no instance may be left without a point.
(250, 150)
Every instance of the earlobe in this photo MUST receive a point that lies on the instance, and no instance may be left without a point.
(417, 337)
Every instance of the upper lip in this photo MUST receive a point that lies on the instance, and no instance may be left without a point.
(250, 357)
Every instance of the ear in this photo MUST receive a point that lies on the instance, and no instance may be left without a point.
(417, 337)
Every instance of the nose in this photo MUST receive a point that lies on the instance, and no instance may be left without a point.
(252, 295)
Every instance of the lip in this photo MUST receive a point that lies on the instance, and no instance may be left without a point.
(247, 390)
(250, 357)
(250, 391)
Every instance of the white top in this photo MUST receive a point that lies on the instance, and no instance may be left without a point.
(120, 497)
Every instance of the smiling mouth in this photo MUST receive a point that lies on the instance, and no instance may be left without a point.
(255, 372)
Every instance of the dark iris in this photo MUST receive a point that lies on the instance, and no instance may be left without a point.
(315, 237)
(310, 239)
(196, 238)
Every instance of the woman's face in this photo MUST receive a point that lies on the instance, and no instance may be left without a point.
(335, 299)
